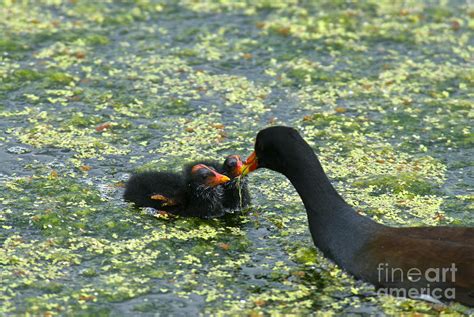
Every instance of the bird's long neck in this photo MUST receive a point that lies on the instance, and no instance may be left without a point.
(337, 229)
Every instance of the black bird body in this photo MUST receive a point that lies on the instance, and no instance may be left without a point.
(187, 194)
(364, 248)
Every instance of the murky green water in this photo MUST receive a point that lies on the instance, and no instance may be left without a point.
(91, 91)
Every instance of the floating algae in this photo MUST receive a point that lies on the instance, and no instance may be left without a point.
(239, 185)
(166, 75)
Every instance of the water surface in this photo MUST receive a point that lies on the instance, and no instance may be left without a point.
(91, 92)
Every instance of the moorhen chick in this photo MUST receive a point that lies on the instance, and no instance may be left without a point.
(195, 193)
(405, 262)
(236, 193)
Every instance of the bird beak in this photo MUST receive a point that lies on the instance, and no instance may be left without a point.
(218, 179)
(250, 165)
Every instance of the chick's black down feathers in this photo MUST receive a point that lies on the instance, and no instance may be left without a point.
(235, 199)
(140, 187)
(187, 196)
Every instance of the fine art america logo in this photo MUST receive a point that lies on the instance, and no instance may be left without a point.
(435, 281)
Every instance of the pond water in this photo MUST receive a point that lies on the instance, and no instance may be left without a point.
(91, 92)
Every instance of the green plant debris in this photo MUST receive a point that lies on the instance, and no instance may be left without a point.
(91, 91)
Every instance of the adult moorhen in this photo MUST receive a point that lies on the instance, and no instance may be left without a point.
(405, 262)
(195, 193)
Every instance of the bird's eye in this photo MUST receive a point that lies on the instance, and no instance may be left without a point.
(204, 173)
(230, 162)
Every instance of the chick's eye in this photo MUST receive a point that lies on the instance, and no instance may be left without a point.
(204, 173)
